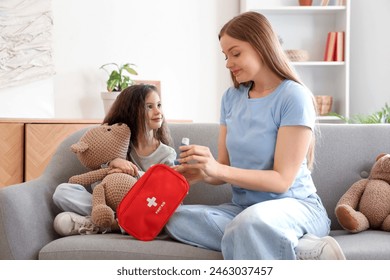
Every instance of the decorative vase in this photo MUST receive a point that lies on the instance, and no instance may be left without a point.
(305, 2)
(108, 99)
(297, 55)
(324, 104)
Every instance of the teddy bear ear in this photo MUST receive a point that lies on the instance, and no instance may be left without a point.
(380, 156)
(79, 147)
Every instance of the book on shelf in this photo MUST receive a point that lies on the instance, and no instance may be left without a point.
(332, 3)
(334, 49)
(330, 46)
(339, 54)
(324, 2)
(340, 2)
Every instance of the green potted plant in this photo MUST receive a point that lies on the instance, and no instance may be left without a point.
(119, 78)
(382, 116)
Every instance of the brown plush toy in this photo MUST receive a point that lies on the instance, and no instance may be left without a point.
(366, 204)
(96, 147)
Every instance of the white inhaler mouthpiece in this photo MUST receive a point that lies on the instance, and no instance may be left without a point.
(185, 141)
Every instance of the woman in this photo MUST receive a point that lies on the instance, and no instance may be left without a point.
(265, 151)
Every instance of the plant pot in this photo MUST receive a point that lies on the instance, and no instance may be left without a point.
(305, 2)
(108, 99)
(324, 104)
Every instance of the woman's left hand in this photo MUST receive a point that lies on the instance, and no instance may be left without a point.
(198, 157)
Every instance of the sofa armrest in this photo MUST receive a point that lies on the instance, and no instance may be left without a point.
(27, 210)
(26, 218)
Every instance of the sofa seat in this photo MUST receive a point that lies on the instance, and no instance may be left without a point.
(115, 246)
(369, 245)
(366, 245)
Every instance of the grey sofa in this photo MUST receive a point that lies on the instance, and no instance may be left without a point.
(344, 154)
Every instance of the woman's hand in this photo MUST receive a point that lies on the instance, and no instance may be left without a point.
(192, 175)
(124, 165)
(197, 163)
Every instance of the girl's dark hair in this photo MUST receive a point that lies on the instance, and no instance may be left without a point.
(130, 108)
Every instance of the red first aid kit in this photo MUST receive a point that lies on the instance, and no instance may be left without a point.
(149, 204)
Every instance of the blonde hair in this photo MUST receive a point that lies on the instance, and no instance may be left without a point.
(254, 28)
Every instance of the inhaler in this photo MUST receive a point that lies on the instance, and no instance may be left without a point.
(184, 142)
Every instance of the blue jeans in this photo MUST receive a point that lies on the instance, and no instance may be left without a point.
(73, 198)
(268, 230)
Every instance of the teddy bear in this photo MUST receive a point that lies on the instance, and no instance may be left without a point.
(97, 147)
(366, 204)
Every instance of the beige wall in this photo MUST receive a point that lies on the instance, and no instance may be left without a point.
(370, 56)
(174, 41)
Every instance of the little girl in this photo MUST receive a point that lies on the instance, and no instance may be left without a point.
(139, 107)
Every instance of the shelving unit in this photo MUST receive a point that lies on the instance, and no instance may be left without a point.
(307, 27)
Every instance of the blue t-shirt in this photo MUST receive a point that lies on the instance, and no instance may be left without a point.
(252, 127)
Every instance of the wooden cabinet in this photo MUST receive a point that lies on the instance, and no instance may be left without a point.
(11, 153)
(26, 146)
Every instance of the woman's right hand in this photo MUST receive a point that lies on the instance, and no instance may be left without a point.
(197, 163)
(192, 175)
(126, 166)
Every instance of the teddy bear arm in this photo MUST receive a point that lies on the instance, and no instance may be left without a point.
(352, 196)
(89, 177)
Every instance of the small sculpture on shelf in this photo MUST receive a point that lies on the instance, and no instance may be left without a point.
(324, 104)
(297, 55)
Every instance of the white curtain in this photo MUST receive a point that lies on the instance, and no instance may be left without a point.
(25, 41)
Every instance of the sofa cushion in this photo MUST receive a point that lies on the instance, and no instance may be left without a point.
(366, 245)
(116, 246)
(344, 155)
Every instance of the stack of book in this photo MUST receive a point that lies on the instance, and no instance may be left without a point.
(334, 50)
